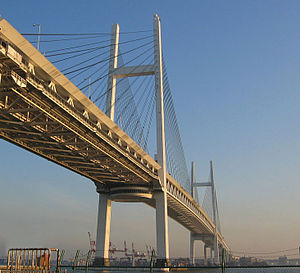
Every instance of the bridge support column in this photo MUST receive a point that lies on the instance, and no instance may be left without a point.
(162, 230)
(103, 230)
(192, 249)
(205, 254)
(221, 254)
(216, 250)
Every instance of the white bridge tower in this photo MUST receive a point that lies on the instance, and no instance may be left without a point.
(209, 241)
(159, 194)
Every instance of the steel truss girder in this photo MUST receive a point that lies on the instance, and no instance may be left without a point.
(40, 153)
(114, 171)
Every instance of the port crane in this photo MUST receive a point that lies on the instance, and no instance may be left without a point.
(127, 253)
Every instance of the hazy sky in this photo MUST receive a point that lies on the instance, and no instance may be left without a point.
(234, 72)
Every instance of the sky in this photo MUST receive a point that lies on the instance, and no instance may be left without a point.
(233, 68)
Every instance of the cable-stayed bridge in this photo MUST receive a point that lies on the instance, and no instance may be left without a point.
(55, 113)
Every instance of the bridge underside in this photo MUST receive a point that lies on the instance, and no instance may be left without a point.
(185, 217)
(30, 120)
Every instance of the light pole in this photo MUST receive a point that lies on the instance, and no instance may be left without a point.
(39, 35)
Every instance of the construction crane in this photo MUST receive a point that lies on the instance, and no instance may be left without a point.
(113, 249)
(138, 254)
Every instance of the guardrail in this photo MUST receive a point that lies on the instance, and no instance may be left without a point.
(202, 269)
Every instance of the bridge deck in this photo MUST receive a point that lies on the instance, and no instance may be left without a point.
(43, 112)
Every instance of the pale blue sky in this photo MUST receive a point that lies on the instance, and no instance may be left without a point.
(234, 72)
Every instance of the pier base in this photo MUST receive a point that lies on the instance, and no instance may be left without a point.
(101, 262)
(163, 263)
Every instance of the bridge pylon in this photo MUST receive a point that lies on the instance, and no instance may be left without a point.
(104, 207)
(160, 193)
(209, 241)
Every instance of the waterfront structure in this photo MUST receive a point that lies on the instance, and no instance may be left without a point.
(42, 111)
